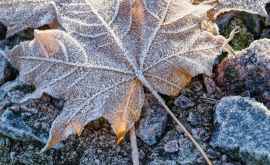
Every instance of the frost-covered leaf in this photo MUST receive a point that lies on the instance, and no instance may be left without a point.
(252, 6)
(108, 52)
(18, 15)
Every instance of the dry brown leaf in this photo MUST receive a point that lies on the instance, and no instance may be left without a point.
(127, 111)
(108, 51)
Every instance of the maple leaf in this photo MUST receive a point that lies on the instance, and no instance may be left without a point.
(251, 6)
(107, 51)
(18, 15)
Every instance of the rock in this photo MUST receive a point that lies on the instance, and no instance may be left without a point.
(6, 72)
(200, 134)
(243, 130)
(183, 102)
(210, 85)
(13, 126)
(171, 146)
(153, 122)
(195, 119)
(174, 148)
(14, 91)
(29, 121)
(248, 72)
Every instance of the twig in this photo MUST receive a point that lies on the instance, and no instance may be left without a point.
(134, 146)
(162, 102)
(226, 45)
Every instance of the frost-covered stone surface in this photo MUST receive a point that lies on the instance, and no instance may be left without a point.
(153, 122)
(243, 130)
(248, 73)
(174, 149)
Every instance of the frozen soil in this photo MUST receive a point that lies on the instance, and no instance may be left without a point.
(97, 144)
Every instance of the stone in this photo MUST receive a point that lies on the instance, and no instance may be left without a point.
(28, 121)
(13, 126)
(174, 148)
(209, 84)
(153, 122)
(195, 119)
(242, 130)
(248, 72)
(171, 146)
(183, 102)
(12, 92)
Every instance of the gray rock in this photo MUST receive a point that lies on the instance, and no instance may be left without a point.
(243, 130)
(195, 119)
(153, 122)
(183, 102)
(248, 72)
(12, 92)
(174, 148)
(5, 69)
(13, 126)
(29, 121)
(210, 84)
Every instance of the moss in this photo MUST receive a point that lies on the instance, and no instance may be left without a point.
(243, 38)
(231, 73)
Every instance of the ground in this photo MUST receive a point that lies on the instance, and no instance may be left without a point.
(195, 107)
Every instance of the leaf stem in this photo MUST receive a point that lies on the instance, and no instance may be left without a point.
(134, 146)
(162, 102)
